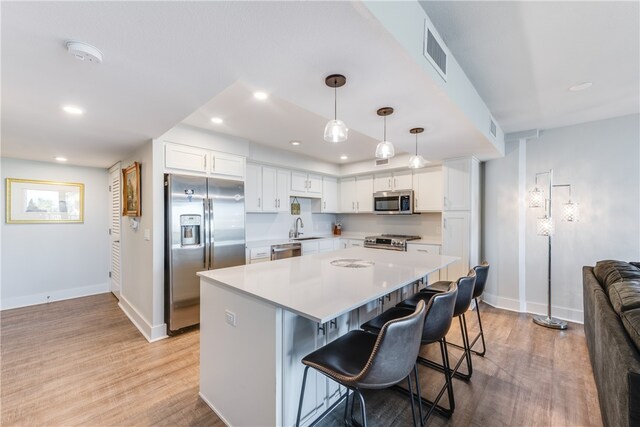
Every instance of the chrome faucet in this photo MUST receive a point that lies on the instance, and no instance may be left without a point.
(296, 233)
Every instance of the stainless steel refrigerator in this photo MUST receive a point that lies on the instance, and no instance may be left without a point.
(204, 230)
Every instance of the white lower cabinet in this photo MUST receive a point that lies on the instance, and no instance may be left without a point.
(455, 242)
(427, 249)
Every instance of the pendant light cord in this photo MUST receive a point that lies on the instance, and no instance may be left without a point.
(335, 103)
(416, 144)
(385, 128)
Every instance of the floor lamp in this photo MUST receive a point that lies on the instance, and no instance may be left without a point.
(545, 227)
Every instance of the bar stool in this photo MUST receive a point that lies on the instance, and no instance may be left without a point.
(360, 360)
(482, 271)
(437, 322)
(463, 301)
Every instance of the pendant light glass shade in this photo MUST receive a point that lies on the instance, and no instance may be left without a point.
(536, 198)
(417, 161)
(335, 131)
(385, 150)
(545, 226)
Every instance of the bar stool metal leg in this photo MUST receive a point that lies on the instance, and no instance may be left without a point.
(304, 382)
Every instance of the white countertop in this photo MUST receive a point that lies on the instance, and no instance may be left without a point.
(311, 287)
(426, 241)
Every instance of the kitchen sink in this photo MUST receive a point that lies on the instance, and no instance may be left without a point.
(307, 238)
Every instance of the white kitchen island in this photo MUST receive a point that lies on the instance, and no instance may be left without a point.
(258, 321)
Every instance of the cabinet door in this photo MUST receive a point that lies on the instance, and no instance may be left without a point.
(402, 180)
(457, 184)
(253, 188)
(364, 193)
(227, 164)
(325, 245)
(181, 157)
(428, 190)
(455, 242)
(329, 195)
(369, 311)
(427, 249)
(298, 182)
(309, 248)
(314, 184)
(269, 185)
(300, 337)
(282, 190)
(348, 195)
(341, 326)
(356, 243)
(382, 182)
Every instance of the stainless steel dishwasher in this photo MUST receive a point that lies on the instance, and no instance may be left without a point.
(285, 250)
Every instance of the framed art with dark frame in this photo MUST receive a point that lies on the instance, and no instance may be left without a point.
(131, 190)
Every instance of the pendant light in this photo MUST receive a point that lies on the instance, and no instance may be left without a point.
(416, 161)
(336, 130)
(385, 149)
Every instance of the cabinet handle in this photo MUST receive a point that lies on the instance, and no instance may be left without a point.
(353, 206)
(325, 204)
(445, 223)
(213, 163)
(275, 202)
(333, 324)
(395, 182)
(422, 250)
(205, 162)
(417, 204)
(259, 202)
(321, 328)
(446, 202)
(389, 183)
(358, 205)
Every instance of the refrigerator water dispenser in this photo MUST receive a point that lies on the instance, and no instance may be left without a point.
(189, 230)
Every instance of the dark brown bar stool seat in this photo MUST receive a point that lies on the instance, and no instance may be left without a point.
(463, 301)
(437, 322)
(482, 271)
(360, 360)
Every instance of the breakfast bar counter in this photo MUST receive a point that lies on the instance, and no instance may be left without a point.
(257, 321)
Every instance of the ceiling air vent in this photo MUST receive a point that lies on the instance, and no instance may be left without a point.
(492, 127)
(434, 52)
(382, 162)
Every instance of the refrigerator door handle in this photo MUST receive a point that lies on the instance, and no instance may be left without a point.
(204, 233)
(210, 229)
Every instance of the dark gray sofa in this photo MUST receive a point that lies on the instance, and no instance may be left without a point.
(612, 328)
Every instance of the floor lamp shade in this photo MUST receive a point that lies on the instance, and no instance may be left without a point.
(545, 226)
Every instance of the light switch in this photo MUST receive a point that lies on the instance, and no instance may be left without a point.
(147, 234)
(230, 317)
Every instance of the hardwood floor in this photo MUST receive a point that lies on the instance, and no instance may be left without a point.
(82, 363)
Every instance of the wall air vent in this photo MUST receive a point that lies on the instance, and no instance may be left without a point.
(434, 52)
(382, 162)
(492, 127)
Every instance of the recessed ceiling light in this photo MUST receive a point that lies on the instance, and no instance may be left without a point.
(61, 159)
(343, 157)
(295, 143)
(216, 120)
(580, 86)
(72, 109)
(260, 95)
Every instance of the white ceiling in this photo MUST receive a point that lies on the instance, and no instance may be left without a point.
(165, 62)
(523, 56)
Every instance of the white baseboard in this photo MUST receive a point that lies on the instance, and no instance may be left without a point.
(564, 313)
(151, 333)
(58, 295)
(213, 408)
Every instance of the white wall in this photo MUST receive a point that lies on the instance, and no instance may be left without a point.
(600, 159)
(260, 226)
(426, 225)
(50, 262)
(142, 290)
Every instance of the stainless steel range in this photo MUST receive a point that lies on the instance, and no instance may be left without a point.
(395, 242)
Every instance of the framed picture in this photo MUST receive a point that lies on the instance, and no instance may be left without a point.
(131, 190)
(31, 201)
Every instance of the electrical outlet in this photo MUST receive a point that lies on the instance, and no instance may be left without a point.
(230, 317)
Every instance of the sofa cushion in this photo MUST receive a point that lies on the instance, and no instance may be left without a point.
(624, 296)
(631, 322)
(610, 272)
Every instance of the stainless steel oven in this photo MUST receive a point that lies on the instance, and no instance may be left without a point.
(393, 202)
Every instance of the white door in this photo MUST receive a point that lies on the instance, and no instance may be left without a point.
(329, 195)
(364, 193)
(269, 187)
(402, 180)
(115, 214)
(282, 191)
(348, 195)
(315, 184)
(253, 188)
(383, 182)
(299, 182)
(455, 242)
(457, 184)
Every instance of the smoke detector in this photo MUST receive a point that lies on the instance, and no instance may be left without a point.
(84, 51)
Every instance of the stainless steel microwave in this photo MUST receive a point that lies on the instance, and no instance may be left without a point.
(393, 202)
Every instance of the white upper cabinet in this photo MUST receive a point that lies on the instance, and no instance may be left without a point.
(185, 158)
(329, 195)
(253, 188)
(227, 164)
(427, 187)
(356, 194)
(348, 195)
(400, 180)
(266, 189)
(456, 176)
(306, 184)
